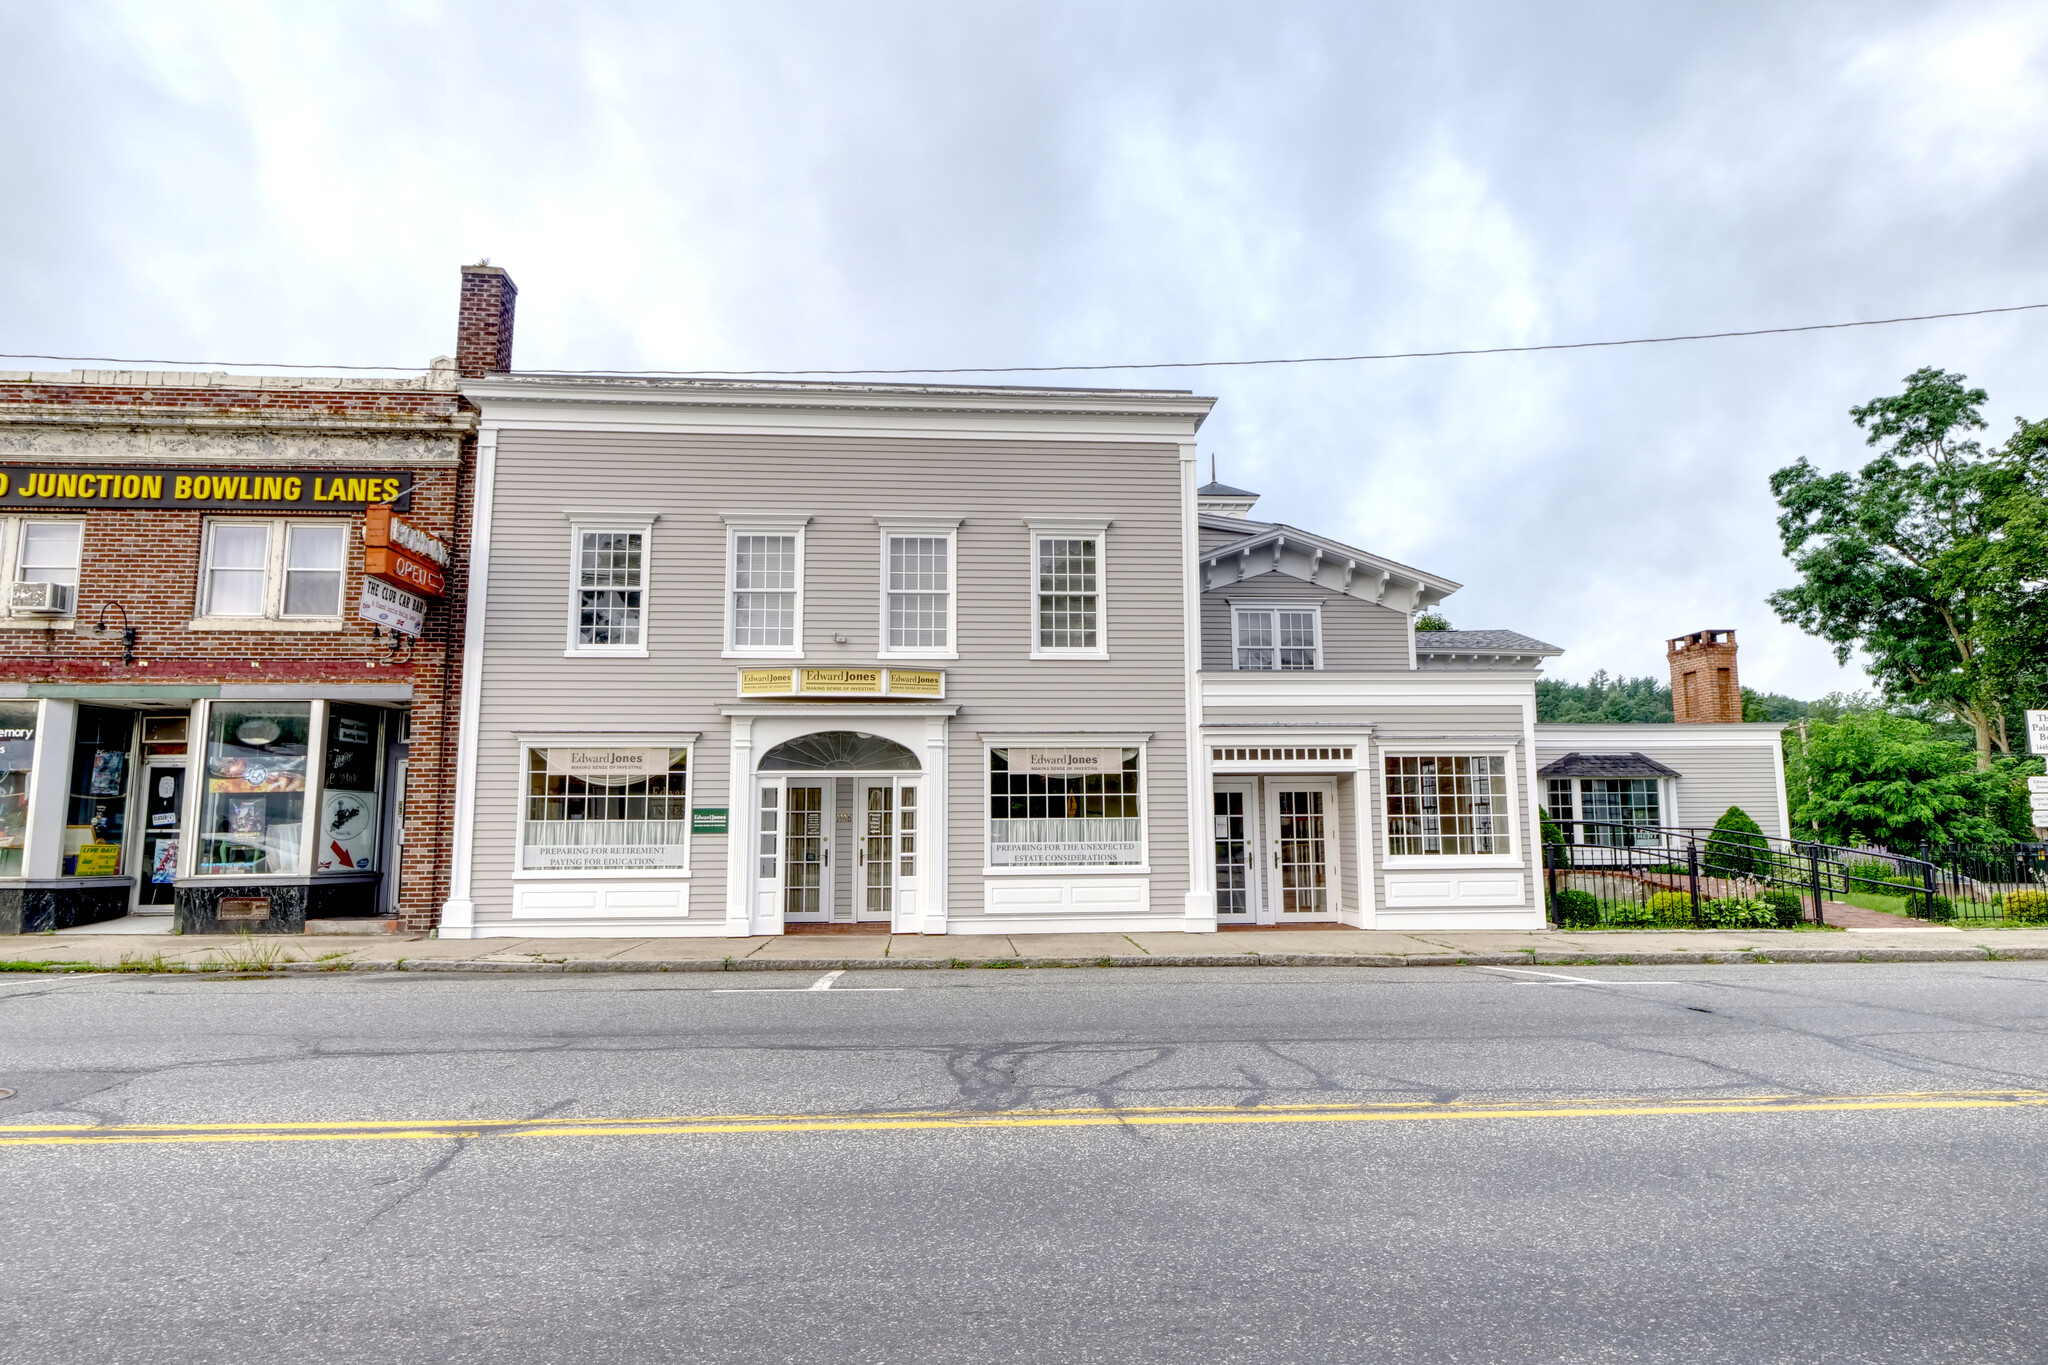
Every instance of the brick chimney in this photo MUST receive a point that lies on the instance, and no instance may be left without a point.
(483, 327)
(1704, 687)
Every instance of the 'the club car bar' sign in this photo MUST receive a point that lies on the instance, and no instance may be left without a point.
(402, 568)
(837, 684)
(295, 490)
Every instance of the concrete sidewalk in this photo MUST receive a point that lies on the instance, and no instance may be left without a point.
(78, 950)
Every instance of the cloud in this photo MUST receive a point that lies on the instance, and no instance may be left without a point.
(797, 185)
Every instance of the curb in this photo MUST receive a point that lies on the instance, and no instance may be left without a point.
(460, 967)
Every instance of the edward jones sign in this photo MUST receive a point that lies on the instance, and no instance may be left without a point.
(29, 486)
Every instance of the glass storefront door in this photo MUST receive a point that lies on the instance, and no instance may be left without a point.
(1301, 818)
(807, 851)
(163, 810)
(1237, 896)
(886, 845)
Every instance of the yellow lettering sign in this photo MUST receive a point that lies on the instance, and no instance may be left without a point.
(862, 681)
(766, 682)
(916, 682)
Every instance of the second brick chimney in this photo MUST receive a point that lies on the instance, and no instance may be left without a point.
(483, 327)
(1704, 687)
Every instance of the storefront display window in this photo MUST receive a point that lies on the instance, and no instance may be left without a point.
(97, 819)
(603, 809)
(346, 839)
(1062, 807)
(1447, 804)
(255, 790)
(17, 759)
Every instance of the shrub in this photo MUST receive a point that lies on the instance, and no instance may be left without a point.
(1629, 915)
(1737, 847)
(1560, 852)
(1740, 912)
(1873, 870)
(1789, 905)
(2027, 907)
(1575, 909)
(1670, 908)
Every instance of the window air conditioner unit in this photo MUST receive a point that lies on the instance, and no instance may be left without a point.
(39, 599)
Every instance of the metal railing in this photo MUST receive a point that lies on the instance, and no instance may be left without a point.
(1601, 874)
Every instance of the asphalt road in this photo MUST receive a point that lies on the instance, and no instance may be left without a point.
(1756, 1164)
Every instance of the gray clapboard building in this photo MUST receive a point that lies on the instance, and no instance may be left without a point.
(748, 656)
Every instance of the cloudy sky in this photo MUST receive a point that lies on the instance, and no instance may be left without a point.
(844, 185)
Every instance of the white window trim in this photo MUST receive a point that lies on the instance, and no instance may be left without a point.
(273, 617)
(1066, 527)
(1240, 604)
(686, 741)
(1456, 749)
(735, 527)
(1143, 867)
(11, 540)
(583, 523)
(931, 528)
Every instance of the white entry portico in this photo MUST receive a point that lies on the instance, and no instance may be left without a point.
(839, 816)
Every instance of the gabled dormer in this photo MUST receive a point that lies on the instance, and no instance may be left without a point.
(1276, 597)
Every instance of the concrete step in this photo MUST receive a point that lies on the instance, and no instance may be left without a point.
(354, 926)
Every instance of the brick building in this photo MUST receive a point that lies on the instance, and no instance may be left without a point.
(196, 719)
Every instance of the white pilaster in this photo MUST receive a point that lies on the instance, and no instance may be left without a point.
(458, 913)
(1200, 908)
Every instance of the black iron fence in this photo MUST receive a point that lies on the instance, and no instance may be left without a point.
(1610, 875)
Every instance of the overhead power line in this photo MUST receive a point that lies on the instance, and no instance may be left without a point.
(1128, 365)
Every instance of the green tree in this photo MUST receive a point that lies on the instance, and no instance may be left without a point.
(1879, 778)
(1432, 620)
(1626, 701)
(1737, 847)
(1912, 559)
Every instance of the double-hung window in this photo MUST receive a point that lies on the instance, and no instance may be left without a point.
(764, 598)
(918, 568)
(1067, 577)
(610, 561)
(1277, 638)
(273, 570)
(47, 552)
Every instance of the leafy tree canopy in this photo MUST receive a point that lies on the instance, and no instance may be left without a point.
(1605, 700)
(1432, 620)
(1930, 559)
(1879, 778)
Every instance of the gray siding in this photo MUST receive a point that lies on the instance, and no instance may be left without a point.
(1356, 634)
(1712, 777)
(843, 484)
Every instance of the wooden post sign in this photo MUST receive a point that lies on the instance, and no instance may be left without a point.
(399, 553)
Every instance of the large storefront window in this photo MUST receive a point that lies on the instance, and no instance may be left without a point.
(17, 759)
(97, 819)
(600, 809)
(347, 834)
(1450, 804)
(1064, 808)
(255, 790)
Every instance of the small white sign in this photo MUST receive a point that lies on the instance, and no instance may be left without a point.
(2037, 732)
(388, 605)
(1066, 762)
(602, 764)
(2038, 786)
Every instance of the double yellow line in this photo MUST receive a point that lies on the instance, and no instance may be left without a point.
(423, 1130)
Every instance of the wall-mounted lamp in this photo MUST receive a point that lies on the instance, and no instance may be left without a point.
(128, 632)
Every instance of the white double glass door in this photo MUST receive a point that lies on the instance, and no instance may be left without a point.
(836, 850)
(1276, 851)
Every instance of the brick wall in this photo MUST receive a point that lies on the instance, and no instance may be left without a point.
(1705, 687)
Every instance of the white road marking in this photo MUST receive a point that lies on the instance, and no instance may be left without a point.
(1560, 979)
(823, 983)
